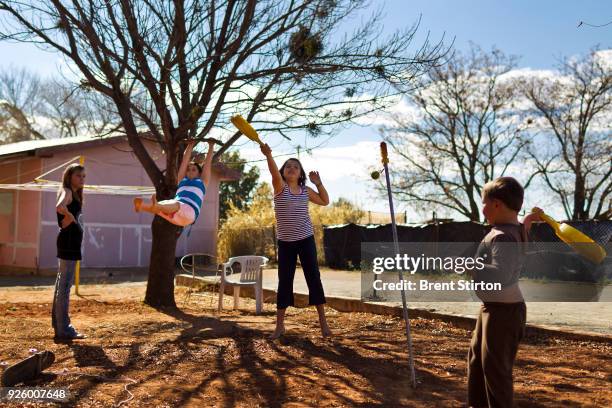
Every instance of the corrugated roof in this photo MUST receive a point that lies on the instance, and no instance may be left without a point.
(33, 145)
(36, 146)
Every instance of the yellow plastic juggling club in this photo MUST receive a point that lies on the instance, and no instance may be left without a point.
(77, 277)
(579, 241)
(245, 128)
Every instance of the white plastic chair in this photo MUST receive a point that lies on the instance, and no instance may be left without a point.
(251, 268)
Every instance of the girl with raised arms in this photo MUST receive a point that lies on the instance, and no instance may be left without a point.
(295, 236)
(185, 207)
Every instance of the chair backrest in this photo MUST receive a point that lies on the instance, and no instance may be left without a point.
(249, 266)
(199, 264)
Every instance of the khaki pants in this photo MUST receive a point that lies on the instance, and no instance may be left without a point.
(499, 329)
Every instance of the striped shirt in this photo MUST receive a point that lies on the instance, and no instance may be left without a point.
(292, 218)
(191, 192)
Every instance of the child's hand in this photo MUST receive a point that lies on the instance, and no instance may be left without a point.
(191, 144)
(534, 215)
(314, 177)
(265, 149)
(67, 220)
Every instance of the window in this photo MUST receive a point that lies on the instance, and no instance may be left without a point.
(6, 202)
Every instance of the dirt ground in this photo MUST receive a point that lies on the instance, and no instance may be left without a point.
(194, 357)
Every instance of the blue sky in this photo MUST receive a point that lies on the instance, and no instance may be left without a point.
(537, 31)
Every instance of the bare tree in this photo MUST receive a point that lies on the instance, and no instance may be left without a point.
(464, 132)
(74, 111)
(19, 101)
(574, 109)
(34, 108)
(179, 69)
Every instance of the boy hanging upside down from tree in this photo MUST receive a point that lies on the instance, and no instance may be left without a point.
(185, 207)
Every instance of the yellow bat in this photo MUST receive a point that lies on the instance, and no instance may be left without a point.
(579, 241)
(245, 128)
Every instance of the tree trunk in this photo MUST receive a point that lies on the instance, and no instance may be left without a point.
(160, 286)
(579, 199)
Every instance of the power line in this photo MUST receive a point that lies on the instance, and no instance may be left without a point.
(581, 23)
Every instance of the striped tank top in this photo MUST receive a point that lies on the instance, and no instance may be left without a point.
(292, 218)
(191, 192)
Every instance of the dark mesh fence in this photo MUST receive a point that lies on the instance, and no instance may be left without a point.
(560, 261)
(342, 243)
(599, 231)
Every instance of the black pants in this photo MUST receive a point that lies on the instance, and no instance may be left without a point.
(495, 341)
(288, 252)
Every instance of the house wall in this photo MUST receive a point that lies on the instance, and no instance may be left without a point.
(19, 215)
(115, 235)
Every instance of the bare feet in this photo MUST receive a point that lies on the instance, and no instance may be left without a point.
(137, 204)
(325, 331)
(277, 333)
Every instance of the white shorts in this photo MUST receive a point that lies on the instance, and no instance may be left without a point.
(183, 217)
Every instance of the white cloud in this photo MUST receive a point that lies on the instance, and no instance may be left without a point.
(333, 163)
(344, 170)
(605, 57)
(400, 108)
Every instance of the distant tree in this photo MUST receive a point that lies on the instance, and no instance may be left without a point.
(574, 109)
(463, 133)
(20, 98)
(77, 111)
(33, 108)
(237, 193)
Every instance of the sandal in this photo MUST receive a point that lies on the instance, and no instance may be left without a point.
(28, 369)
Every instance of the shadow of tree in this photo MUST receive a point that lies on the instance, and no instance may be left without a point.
(89, 355)
(383, 381)
(230, 355)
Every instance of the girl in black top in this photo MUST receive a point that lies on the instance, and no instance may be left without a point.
(68, 208)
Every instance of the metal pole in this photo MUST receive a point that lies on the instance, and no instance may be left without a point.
(385, 161)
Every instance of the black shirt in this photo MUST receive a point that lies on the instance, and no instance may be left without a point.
(70, 238)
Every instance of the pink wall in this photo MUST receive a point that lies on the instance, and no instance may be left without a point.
(115, 236)
(19, 240)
